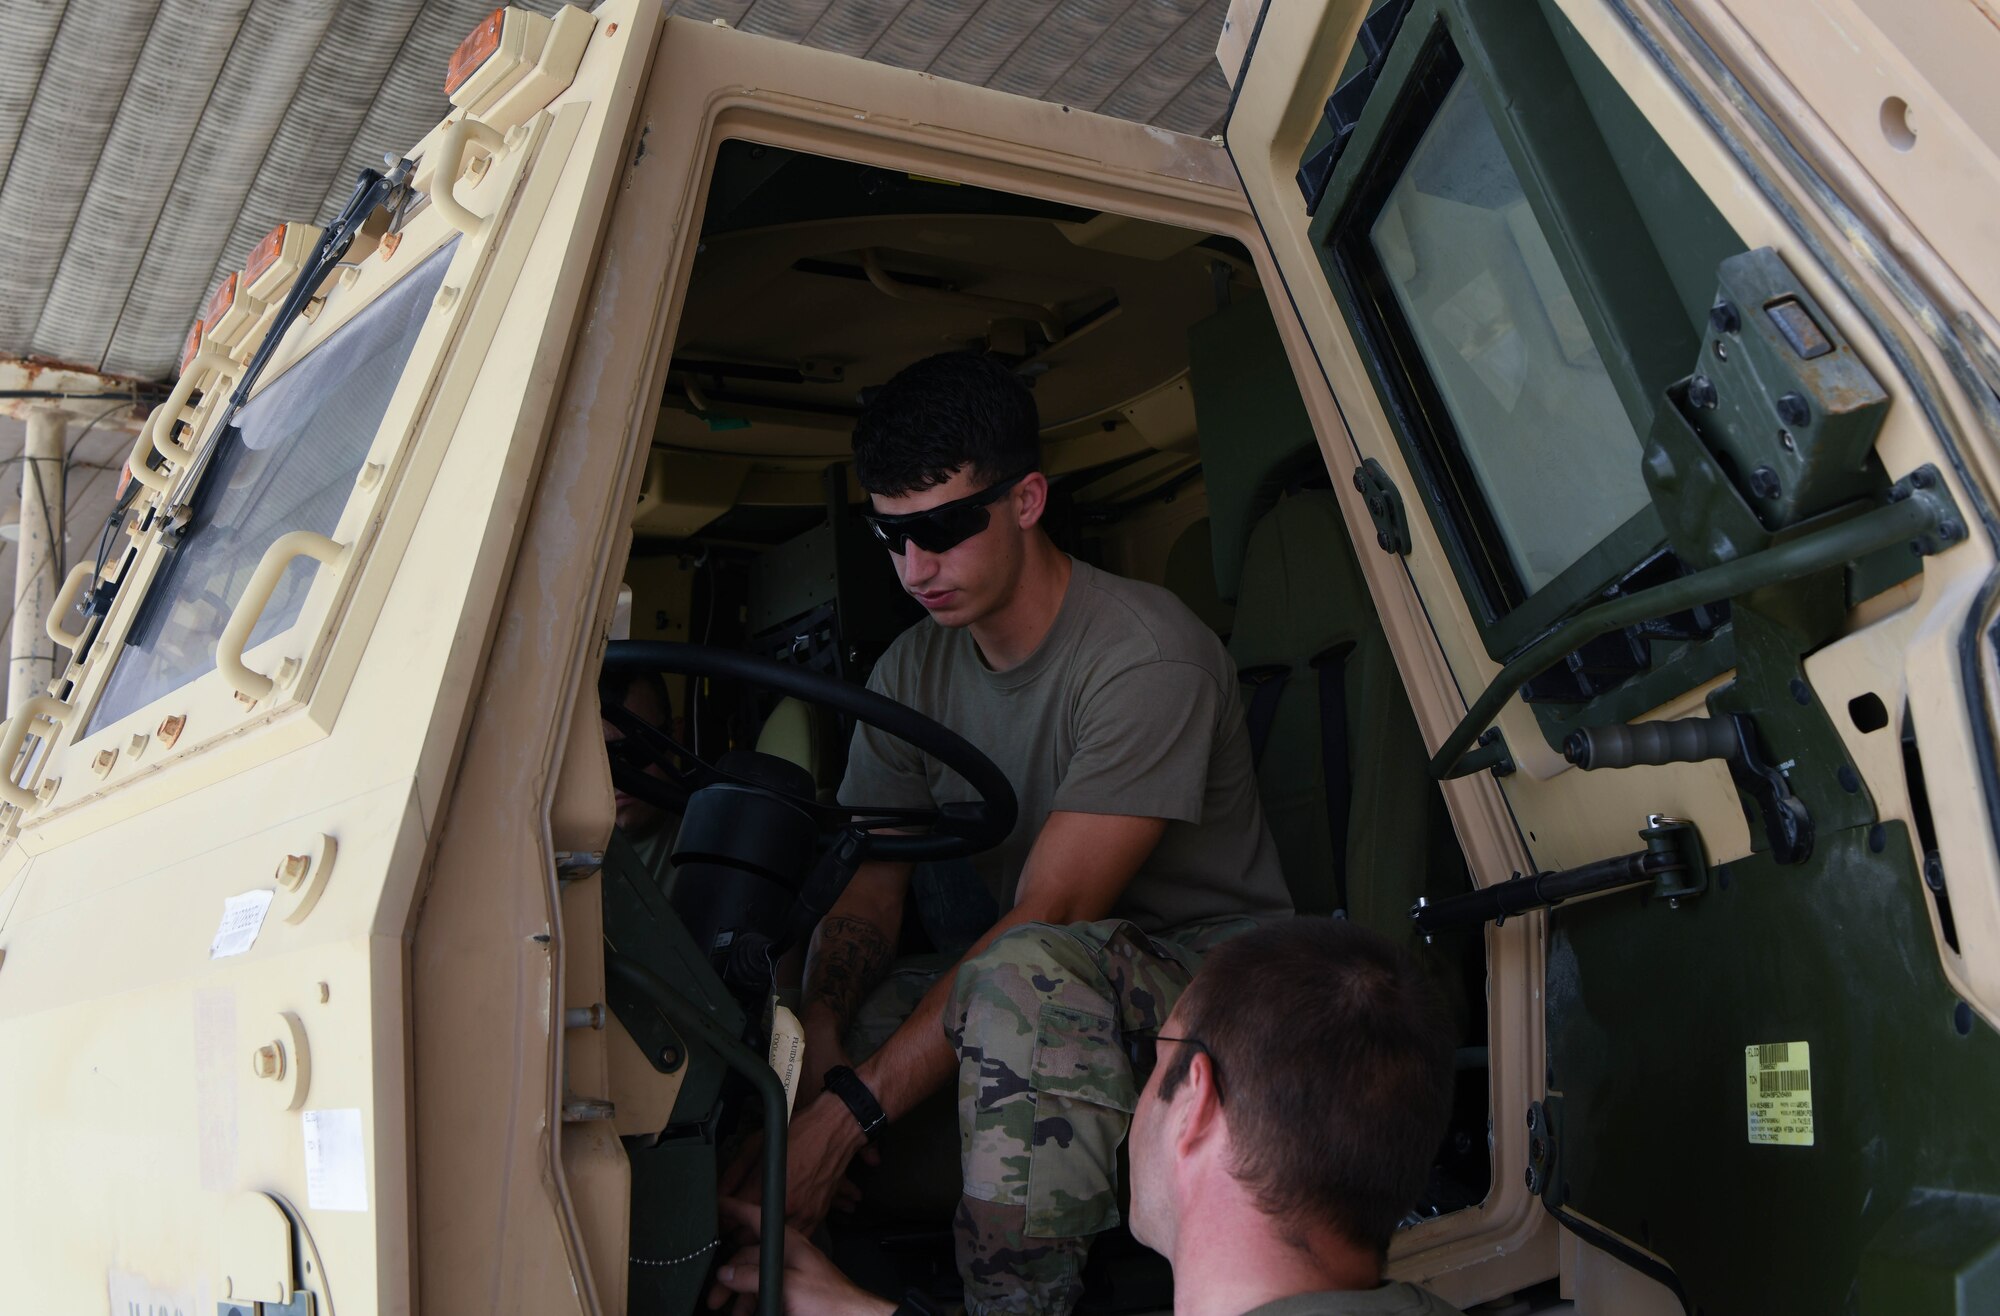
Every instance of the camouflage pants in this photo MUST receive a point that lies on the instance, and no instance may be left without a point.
(1045, 1090)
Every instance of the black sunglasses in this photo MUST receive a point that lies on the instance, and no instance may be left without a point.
(945, 526)
(1144, 1053)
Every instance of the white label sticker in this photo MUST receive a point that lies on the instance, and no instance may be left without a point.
(1777, 1080)
(788, 1047)
(336, 1167)
(242, 920)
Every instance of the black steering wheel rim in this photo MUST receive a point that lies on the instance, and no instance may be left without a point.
(957, 829)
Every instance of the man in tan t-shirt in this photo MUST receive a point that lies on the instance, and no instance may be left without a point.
(1140, 843)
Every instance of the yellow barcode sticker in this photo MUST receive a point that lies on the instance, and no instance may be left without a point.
(1777, 1079)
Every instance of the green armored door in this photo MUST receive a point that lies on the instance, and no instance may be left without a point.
(1691, 467)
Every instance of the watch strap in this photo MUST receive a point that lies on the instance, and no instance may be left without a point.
(868, 1113)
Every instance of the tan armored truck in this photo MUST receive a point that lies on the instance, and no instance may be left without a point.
(1578, 415)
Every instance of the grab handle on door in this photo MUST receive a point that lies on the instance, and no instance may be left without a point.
(229, 647)
(65, 600)
(444, 173)
(156, 434)
(42, 708)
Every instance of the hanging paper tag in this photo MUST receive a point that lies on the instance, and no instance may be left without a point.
(788, 1049)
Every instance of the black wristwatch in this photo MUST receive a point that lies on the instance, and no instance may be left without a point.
(868, 1113)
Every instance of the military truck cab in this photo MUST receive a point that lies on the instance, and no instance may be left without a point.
(1576, 417)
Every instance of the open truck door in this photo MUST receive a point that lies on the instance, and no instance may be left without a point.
(1682, 432)
(226, 817)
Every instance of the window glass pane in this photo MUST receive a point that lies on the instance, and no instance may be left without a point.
(288, 463)
(1537, 416)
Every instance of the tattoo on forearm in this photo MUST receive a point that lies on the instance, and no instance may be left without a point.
(849, 956)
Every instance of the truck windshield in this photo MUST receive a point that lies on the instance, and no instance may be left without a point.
(288, 462)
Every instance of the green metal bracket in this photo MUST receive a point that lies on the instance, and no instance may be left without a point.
(1920, 512)
(1385, 507)
(1780, 398)
(1491, 752)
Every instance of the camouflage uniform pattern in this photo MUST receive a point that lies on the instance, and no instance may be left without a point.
(1046, 1090)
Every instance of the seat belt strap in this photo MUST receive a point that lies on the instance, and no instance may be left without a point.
(1332, 668)
(1266, 684)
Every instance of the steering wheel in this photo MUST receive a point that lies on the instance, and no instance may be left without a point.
(947, 831)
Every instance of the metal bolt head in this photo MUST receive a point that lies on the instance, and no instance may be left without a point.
(1792, 409)
(1723, 317)
(1701, 393)
(1764, 483)
(293, 870)
(268, 1060)
(1922, 478)
(1950, 531)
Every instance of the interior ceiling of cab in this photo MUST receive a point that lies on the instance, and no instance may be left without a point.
(788, 325)
(841, 305)
(146, 145)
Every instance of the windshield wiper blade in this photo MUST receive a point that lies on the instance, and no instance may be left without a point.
(372, 190)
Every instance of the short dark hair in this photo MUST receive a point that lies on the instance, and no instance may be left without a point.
(1334, 1055)
(943, 412)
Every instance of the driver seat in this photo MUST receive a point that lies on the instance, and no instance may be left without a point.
(793, 732)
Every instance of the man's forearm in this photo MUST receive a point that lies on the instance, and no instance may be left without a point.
(918, 1059)
(849, 955)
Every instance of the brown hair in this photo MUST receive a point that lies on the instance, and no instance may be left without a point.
(1334, 1058)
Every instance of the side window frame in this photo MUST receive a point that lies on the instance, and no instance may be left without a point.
(1643, 330)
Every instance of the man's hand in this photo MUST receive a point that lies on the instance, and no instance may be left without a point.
(823, 1144)
(813, 1285)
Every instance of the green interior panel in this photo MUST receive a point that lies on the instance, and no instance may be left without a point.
(1650, 1012)
(1687, 234)
(1255, 434)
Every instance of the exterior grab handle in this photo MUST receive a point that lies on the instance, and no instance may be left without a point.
(270, 570)
(153, 435)
(42, 708)
(142, 448)
(65, 599)
(444, 173)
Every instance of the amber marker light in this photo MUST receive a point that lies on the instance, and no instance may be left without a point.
(265, 254)
(190, 347)
(220, 301)
(475, 50)
(229, 315)
(276, 261)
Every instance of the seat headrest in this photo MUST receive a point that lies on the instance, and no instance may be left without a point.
(1302, 590)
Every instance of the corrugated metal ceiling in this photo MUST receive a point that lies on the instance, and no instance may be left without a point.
(145, 145)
